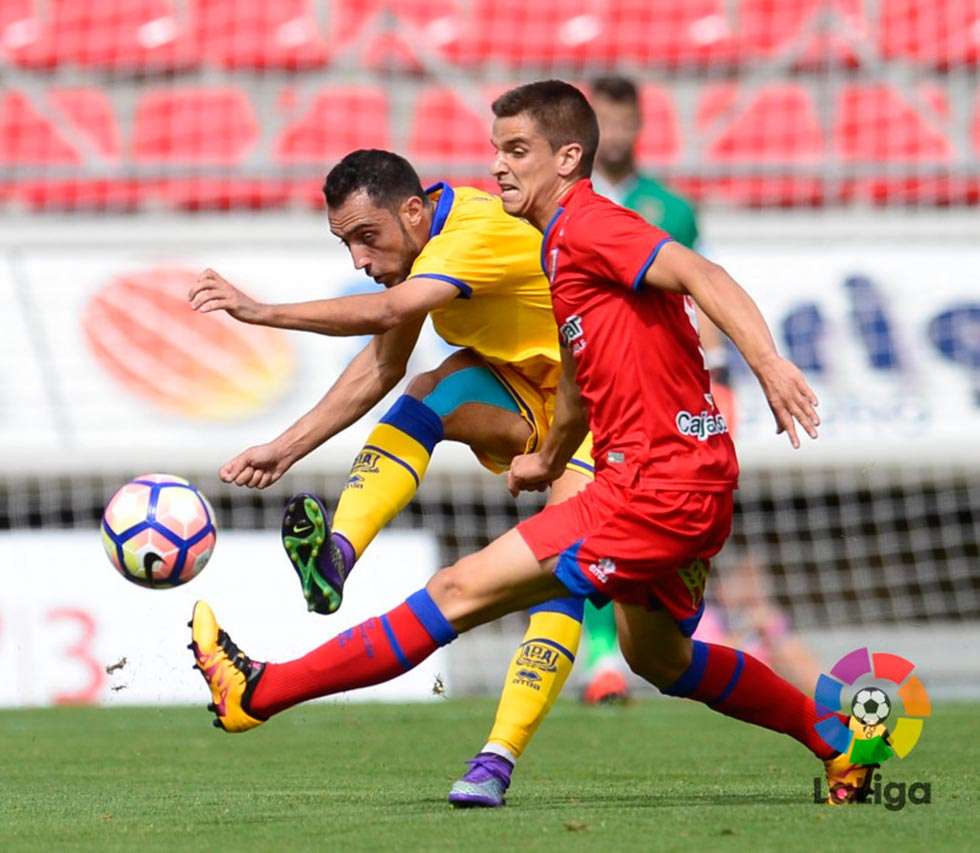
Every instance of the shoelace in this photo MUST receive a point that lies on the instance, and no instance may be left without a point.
(238, 658)
(489, 766)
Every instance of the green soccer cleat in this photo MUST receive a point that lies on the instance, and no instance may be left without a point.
(318, 561)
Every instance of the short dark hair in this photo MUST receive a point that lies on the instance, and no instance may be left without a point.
(562, 113)
(615, 88)
(387, 178)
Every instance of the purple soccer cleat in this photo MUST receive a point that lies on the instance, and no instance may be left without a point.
(320, 559)
(484, 784)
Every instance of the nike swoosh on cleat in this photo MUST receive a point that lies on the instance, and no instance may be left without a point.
(304, 529)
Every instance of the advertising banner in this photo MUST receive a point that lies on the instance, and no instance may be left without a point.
(105, 365)
(72, 630)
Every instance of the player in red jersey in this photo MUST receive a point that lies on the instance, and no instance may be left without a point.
(642, 534)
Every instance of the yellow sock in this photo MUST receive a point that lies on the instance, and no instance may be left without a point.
(387, 472)
(535, 677)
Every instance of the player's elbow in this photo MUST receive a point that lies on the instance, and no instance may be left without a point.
(385, 318)
(702, 275)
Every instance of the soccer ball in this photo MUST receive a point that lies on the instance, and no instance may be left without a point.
(158, 531)
(870, 706)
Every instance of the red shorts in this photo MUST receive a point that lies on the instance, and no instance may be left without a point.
(645, 546)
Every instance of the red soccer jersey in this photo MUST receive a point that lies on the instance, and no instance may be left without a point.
(638, 359)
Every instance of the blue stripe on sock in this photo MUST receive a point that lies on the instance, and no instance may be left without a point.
(416, 419)
(389, 455)
(556, 646)
(574, 607)
(691, 678)
(739, 663)
(394, 644)
(429, 614)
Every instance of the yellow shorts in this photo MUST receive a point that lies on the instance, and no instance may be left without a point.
(536, 400)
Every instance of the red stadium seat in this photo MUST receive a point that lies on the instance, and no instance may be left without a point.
(448, 128)
(199, 126)
(975, 128)
(665, 32)
(258, 33)
(775, 124)
(419, 27)
(24, 34)
(115, 34)
(939, 33)
(810, 30)
(91, 114)
(28, 137)
(660, 139)
(338, 120)
(517, 33)
(877, 123)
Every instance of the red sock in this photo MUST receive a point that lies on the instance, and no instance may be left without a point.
(738, 685)
(374, 651)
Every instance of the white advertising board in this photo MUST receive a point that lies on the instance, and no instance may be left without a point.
(66, 616)
(97, 376)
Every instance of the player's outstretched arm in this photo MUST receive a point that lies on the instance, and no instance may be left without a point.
(534, 472)
(362, 314)
(371, 374)
(733, 311)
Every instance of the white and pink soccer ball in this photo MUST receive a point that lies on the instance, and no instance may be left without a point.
(158, 531)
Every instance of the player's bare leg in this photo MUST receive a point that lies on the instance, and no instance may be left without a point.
(461, 400)
(502, 578)
(733, 683)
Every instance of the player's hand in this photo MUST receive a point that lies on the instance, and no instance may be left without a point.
(212, 292)
(257, 467)
(530, 472)
(790, 397)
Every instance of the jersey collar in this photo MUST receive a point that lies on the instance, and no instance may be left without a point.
(580, 187)
(581, 184)
(443, 206)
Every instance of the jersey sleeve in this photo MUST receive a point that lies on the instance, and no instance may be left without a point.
(620, 244)
(461, 257)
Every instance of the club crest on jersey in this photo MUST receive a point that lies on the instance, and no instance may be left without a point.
(702, 425)
(572, 335)
(602, 569)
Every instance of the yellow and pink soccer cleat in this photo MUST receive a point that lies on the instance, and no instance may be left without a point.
(847, 782)
(229, 673)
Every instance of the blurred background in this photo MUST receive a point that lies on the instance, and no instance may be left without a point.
(830, 147)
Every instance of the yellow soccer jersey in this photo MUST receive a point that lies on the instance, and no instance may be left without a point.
(503, 311)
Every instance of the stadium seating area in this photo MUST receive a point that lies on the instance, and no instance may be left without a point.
(226, 103)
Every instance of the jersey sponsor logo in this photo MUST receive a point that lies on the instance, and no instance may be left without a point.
(602, 569)
(695, 576)
(702, 425)
(571, 332)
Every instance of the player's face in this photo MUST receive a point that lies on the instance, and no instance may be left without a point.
(525, 167)
(619, 129)
(377, 238)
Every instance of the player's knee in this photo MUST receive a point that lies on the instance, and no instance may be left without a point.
(453, 590)
(660, 667)
(422, 384)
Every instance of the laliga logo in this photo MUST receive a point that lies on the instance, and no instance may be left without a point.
(873, 734)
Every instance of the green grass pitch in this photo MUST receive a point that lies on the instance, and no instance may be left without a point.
(665, 775)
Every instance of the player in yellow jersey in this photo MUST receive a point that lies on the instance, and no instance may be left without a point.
(454, 254)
